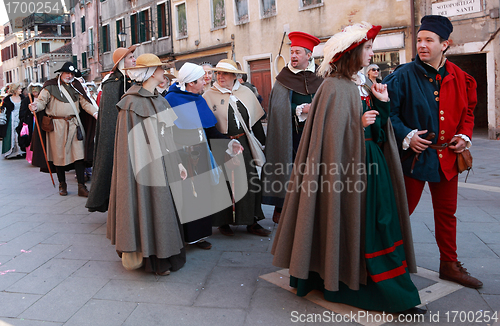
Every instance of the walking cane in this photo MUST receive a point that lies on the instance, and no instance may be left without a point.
(43, 146)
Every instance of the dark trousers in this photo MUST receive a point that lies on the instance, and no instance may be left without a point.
(80, 172)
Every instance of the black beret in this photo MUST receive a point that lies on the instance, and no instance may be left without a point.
(437, 24)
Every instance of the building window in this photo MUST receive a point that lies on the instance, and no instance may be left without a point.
(267, 8)
(84, 60)
(163, 19)
(42, 73)
(241, 12)
(120, 27)
(29, 51)
(24, 53)
(73, 31)
(387, 61)
(75, 61)
(13, 50)
(181, 16)
(90, 47)
(218, 13)
(140, 27)
(306, 4)
(106, 46)
(45, 47)
(82, 20)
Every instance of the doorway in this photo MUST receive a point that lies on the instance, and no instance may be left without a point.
(475, 65)
(260, 77)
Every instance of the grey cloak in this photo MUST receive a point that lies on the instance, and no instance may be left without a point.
(279, 147)
(112, 91)
(142, 215)
(321, 227)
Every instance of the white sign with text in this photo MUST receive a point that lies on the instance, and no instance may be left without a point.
(456, 7)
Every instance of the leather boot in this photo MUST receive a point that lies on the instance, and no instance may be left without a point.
(276, 216)
(63, 189)
(82, 190)
(453, 271)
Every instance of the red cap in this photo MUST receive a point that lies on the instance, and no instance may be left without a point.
(304, 40)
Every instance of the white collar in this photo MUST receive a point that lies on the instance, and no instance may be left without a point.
(311, 67)
(225, 90)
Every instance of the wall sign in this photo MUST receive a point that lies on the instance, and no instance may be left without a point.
(456, 7)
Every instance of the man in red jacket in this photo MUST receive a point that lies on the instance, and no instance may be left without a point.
(432, 103)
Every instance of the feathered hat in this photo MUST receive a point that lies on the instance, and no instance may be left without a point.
(344, 41)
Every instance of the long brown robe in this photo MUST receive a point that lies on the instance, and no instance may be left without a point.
(322, 228)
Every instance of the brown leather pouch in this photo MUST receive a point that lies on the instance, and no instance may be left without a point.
(464, 161)
(47, 124)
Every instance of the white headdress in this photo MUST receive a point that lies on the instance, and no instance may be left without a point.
(141, 74)
(189, 72)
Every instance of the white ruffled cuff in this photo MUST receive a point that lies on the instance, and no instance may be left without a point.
(229, 149)
(298, 111)
(467, 140)
(406, 141)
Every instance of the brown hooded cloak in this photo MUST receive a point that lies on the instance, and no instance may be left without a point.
(322, 224)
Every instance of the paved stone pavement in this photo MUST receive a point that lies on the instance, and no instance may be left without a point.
(58, 268)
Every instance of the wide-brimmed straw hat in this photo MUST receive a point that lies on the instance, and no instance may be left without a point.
(227, 65)
(120, 54)
(147, 60)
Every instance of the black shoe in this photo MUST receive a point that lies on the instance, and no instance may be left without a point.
(226, 230)
(203, 245)
(257, 229)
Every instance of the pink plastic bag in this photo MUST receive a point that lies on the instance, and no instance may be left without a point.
(25, 130)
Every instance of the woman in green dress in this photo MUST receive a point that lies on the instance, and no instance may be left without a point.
(345, 229)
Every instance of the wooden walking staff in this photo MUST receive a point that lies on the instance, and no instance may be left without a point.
(41, 142)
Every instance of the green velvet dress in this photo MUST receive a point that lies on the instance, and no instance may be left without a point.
(389, 286)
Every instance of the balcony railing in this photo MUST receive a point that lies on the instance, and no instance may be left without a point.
(46, 19)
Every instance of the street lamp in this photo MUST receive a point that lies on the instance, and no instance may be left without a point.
(147, 25)
(122, 36)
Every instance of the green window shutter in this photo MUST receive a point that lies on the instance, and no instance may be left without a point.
(83, 24)
(73, 32)
(105, 38)
(108, 38)
(133, 28)
(118, 30)
(75, 61)
(84, 60)
(160, 12)
(142, 25)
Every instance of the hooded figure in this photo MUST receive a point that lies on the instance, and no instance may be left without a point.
(345, 228)
(113, 88)
(142, 218)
